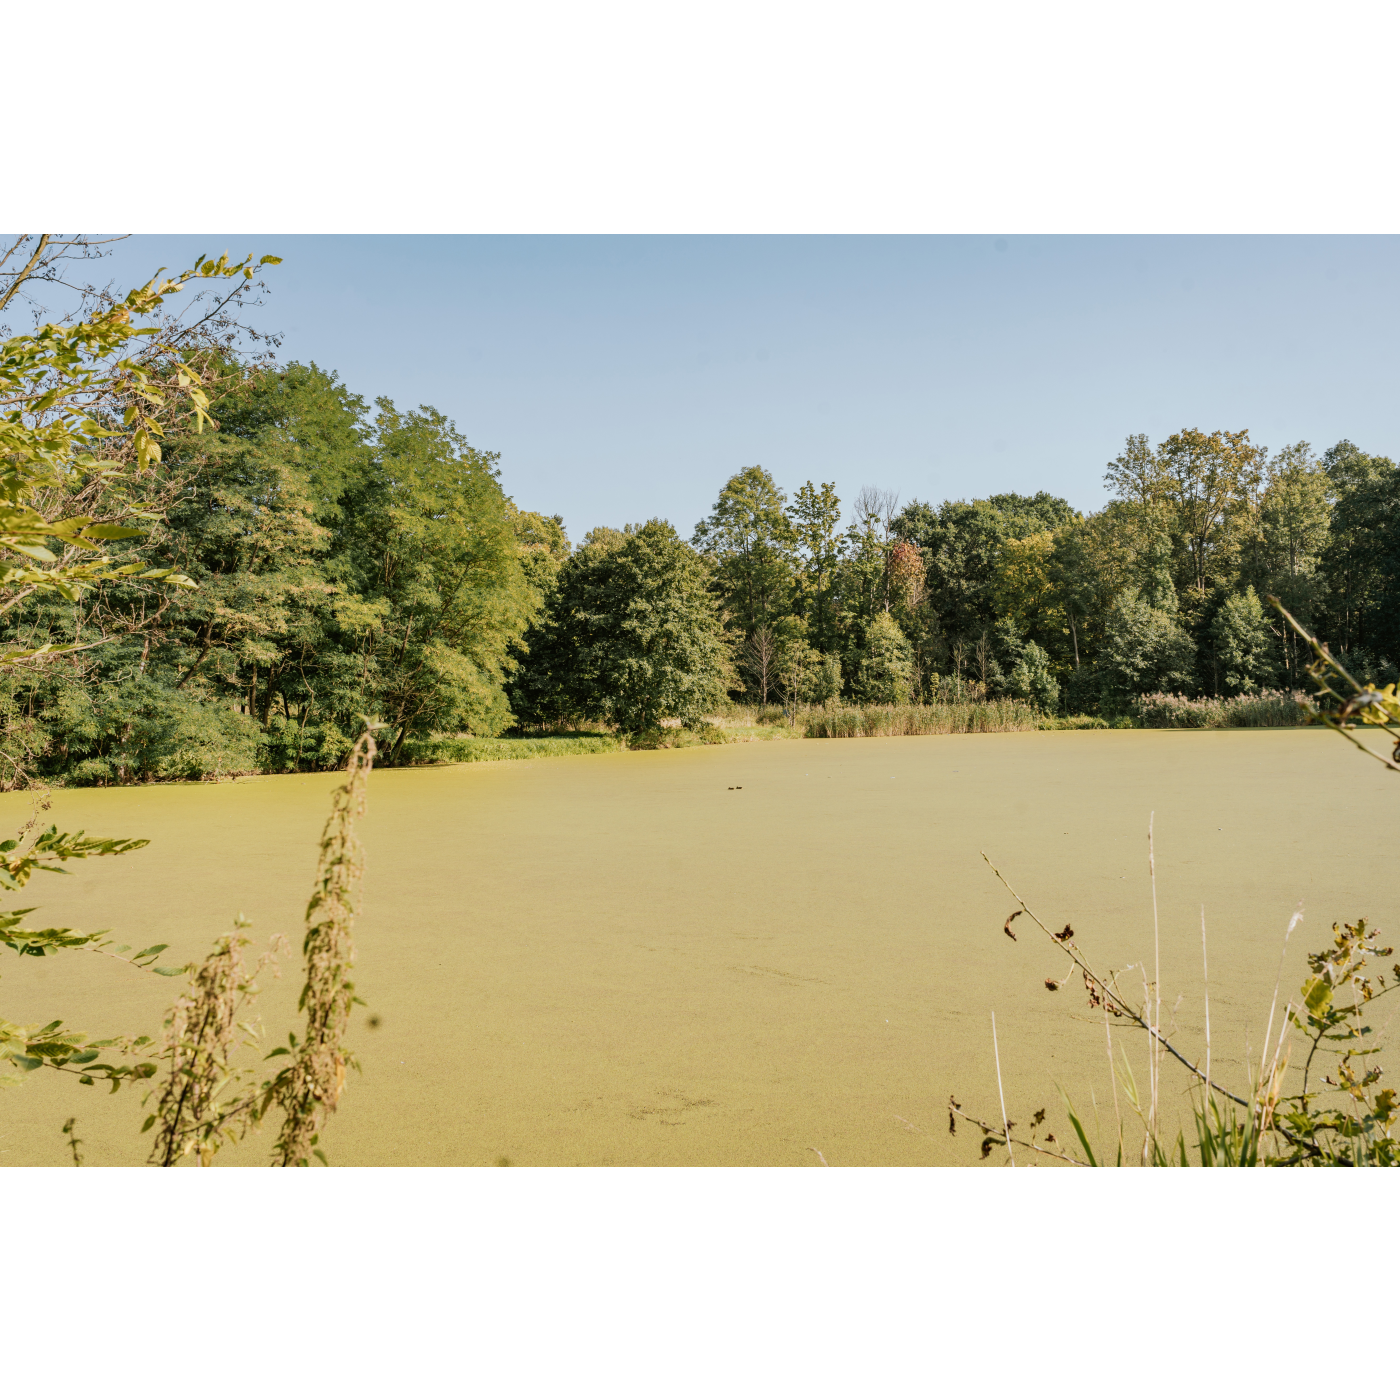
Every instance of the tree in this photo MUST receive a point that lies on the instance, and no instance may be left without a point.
(1136, 474)
(429, 551)
(1144, 649)
(634, 630)
(886, 666)
(1024, 587)
(1031, 678)
(797, 667)
(961, 543)
(816, 514)
(759, 658)
(827, 681)
(1244, 644)
(750, 539)
(85, 405)
(1361, 560)
(1207, 478)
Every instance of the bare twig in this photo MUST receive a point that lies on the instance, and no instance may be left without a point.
(1107, 992)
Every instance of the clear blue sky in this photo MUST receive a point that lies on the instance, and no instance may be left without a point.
(626, 377)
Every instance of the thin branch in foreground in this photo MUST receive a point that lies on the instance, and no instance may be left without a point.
(1006, 1127)
(1104, 991)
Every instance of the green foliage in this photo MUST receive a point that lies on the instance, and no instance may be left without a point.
(751, 540)
(797, 666)
(440, 595)
(961, 543)
(816, 519)
(633, 634)
(1244, 643)
(1144, 649)
(84, 407)
(28, 1048)
(826, 684)
(885, 671)
(1031, 678)
(345, 564)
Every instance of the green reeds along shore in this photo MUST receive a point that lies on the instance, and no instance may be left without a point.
(468, 748)
(1269, 709)
(891, 721)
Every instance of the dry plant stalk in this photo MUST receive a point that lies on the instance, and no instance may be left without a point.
(199, 1041)
(309, 1089)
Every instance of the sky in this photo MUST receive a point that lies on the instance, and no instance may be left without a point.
(622, 378)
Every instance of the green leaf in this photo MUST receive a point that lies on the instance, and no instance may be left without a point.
(1078, 1128)
(112, 532)
(146, 1126)
(1317, 995)
(316, 1152)
(170, 971)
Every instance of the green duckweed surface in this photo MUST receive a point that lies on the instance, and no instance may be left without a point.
(728, 955)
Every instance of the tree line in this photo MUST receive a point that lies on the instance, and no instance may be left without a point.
(1022, 596)
(355, 561)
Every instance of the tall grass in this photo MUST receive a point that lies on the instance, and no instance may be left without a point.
(467, 748)
(1266, 710)
(889, 721)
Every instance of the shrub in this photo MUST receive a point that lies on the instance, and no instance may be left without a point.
(139, 731)
(1031, 680)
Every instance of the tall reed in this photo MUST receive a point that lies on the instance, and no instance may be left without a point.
(1268, 709)
(890, 721)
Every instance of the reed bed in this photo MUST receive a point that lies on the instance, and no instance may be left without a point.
(1269, 709)
(468, 748)
(892, 721)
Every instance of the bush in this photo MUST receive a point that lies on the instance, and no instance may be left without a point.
(1031, 680)
(140, 731)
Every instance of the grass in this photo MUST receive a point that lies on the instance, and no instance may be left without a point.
(743, 724)
(468, 748)
(888, 721)
(1081, 722)
(1269, 709)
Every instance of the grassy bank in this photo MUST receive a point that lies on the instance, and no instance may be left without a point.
(740, 724)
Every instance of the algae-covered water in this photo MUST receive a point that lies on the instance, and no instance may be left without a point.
(727, 955)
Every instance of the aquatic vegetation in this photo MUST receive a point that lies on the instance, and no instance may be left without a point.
(1266, 709)
(886, 721)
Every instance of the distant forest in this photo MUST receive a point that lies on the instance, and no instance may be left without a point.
(359, 561)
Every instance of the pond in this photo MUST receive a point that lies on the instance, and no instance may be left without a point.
(735, 955)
